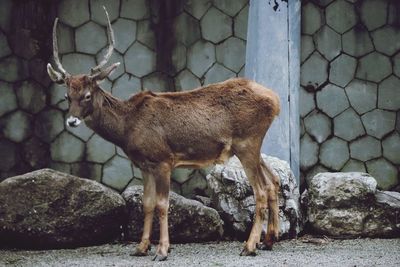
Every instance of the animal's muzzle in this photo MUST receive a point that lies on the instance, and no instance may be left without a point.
(73, 121)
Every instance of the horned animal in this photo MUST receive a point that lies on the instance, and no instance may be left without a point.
(191, 129)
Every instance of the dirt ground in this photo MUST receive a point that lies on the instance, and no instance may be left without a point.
(302, 252)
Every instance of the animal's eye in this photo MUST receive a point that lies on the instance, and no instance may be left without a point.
(88, 96)
(66, 97)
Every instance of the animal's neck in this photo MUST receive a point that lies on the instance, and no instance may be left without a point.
(108, 118)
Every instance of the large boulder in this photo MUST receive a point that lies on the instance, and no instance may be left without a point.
(188, 220)
(349, 205)
(50, 209)
(232, 196)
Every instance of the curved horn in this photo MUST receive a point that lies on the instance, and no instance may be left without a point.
(111, 40)
(55, 51)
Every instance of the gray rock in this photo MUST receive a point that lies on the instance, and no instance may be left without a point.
(341, 16)
(229, 7)
(318, 125)
(374, 67)
(325, 103)
(348, 205)
(90, 38)
(373, 13)
(328, 42)
(365, 148)
(13, 69)
(240, 23)
(117, 173)
(197, 8)
(231, 53)
(200, 57)
(218, 73)
(186, 29)
(135, 9)
(385, 173)
(8, 100)
(314, 71)
(139, 60)
(31, 96)
(334, 153)
(17, 126)
(49, 209)
(74, 12)
(188, 220)
(232, 196)
(357, 42)
(186, 81)
(379, 122)
(126, 86)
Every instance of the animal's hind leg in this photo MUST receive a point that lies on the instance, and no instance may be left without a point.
(273, 218)
(252, 167)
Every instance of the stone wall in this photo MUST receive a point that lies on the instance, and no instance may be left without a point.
(350, 88)
(162, 46)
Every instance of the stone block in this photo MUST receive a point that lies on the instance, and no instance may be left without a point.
(373, 13)
(389, 94)
(240, 23)
(99, 150)
(83, 132)
(74, 12)
(197, 8)
(117, 173)
(36, 67)
(229, 7)
(354, 166)
(8, 100)
(396, 65)
(145, 34)
(365, 148)
(334, 153)
(24, 43)
(362, 95)
(156, 82)
(137, 173)
(17, 126)
(341, 16)
(31, 96)
(135, 9)
(125, 34)
(379, 122)
(318, 125)
(77, 63)
(57, 96)
(200, 57)
(307, 103)
(36, 153)
(8, 154)
(115, 57)
(309, 150)
(325, 103)
(87, 170)
(387, 40)
(232, 53)
(13, 69)
(179, 57)
(374, 67)
(48, 124)
(216, 26)
(97, 12)
(384, 172)
(67, 148)
(314, 171)
(5, 14)
(61, 167)
(186, 29)
(126, 86)
(4, 47)
(196, 185)
(66, 39)
(328, 42)
(90, 38)
(342, 70)
(186, 81)
(218, 73)
(348, 125)
(314, 71)
(357, 42)
(391, 147)
(181, 175)
(106, 85)
(312, 18)
(139, 60)
(307, 47)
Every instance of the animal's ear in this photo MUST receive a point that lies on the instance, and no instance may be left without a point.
(104, 73)
(55, 76)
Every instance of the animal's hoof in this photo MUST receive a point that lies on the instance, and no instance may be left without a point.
(159, 257)
(247, 252)
(138, 253)
(264, 246)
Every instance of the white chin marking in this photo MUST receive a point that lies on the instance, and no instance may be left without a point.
(73, 121)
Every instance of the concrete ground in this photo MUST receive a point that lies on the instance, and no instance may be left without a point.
(305, 251)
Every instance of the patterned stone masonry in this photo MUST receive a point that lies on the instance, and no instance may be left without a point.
(350, 88)
(209, 46)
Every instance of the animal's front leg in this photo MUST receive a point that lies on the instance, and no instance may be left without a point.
(163, 176)
(149, 204)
